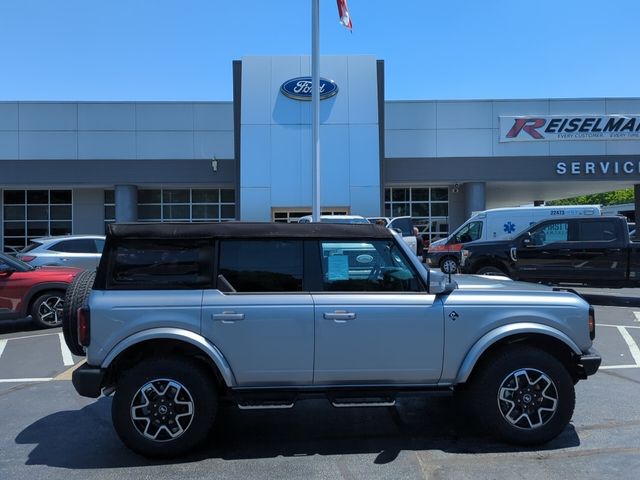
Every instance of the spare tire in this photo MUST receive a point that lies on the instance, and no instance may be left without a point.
(76, 297)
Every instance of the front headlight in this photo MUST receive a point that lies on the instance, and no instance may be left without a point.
(464, 254)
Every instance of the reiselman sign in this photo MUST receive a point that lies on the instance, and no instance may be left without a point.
(542, 128)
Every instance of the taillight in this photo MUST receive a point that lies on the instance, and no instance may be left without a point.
(84, 321)
(592, 323)
(27, 258)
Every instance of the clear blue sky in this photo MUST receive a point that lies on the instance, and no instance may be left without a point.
(433, 49)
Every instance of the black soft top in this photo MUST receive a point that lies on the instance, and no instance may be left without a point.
(246, 230)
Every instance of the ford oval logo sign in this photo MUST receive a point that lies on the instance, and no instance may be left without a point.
(300, 88)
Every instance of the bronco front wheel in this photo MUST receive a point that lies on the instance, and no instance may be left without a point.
(524, 395)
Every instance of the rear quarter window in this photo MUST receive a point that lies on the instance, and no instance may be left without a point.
(160, 264)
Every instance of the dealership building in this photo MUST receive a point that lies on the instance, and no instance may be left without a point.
(73, 167)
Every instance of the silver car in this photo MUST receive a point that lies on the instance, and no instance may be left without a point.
(180, 317)
(82, 251)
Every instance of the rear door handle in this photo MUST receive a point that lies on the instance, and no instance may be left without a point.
(340, 316)
(226, 317)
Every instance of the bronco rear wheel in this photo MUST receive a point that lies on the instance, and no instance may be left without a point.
(523, 395)
(163, 407)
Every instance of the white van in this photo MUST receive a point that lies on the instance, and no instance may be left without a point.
(506, 223)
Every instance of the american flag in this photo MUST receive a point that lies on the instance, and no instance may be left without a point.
(343, 12)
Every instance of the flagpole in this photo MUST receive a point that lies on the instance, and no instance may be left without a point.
(315, 108)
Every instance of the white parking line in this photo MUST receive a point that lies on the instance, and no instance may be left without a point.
(637, 315)
(633, 347)
(3, 343)
(24, 380)
(67, 359)
(611, 367)
(39, 335)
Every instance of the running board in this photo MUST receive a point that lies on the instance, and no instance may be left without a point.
(362, 402)
(265, 405)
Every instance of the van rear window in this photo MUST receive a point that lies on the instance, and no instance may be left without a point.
(154, 264)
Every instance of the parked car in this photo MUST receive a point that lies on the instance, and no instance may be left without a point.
(81, 251)
(494, 225)
(39, 292)
(593, 251)
(402, 225)
(283, 311)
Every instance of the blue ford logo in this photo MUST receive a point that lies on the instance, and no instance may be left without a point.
(300, 88)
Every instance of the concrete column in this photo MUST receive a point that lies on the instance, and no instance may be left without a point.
(475, 197)
(126, 203)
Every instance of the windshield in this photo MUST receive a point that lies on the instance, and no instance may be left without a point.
(468, 233)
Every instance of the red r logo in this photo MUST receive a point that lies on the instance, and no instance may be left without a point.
(529, 125)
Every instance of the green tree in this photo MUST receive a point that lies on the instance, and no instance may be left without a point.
(608, 198)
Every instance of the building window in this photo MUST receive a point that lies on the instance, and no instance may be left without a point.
(292, 216)
(29, 214)
(179, 205)
(427, 206)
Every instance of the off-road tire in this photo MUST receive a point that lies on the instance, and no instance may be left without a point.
(76, 297)
(486, 390)
(136, 399)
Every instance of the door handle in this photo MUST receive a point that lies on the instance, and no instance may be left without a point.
(614, 250)
(340, 316)
(228, 316)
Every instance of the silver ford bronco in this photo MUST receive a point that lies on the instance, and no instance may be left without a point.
(179, 317)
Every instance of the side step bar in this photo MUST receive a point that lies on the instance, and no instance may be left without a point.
(338, 402)
(355, 402)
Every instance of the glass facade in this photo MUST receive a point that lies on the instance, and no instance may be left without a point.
(179, 205)
(29, 214)
(427, 206)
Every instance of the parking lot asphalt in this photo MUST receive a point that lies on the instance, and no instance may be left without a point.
(49, 432)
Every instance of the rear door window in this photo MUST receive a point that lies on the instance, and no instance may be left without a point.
(597, 231)
(274, 265)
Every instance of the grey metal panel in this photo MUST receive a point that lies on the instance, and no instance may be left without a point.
(575, 107)
(578, 148)
(164, 116)
(113, 172)
(161, 145)
(210, 144)
(88, 210)
(106, 116)
(458, 115)
(100, 145)
(628, 147)
(465, 142)
(410, 143)
(622, 105)
(213, 116)
(410, 115)
(48, 116)
(48, 145)
(8, 116)
(9, 145)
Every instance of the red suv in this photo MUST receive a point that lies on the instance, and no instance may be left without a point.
(27, 290)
